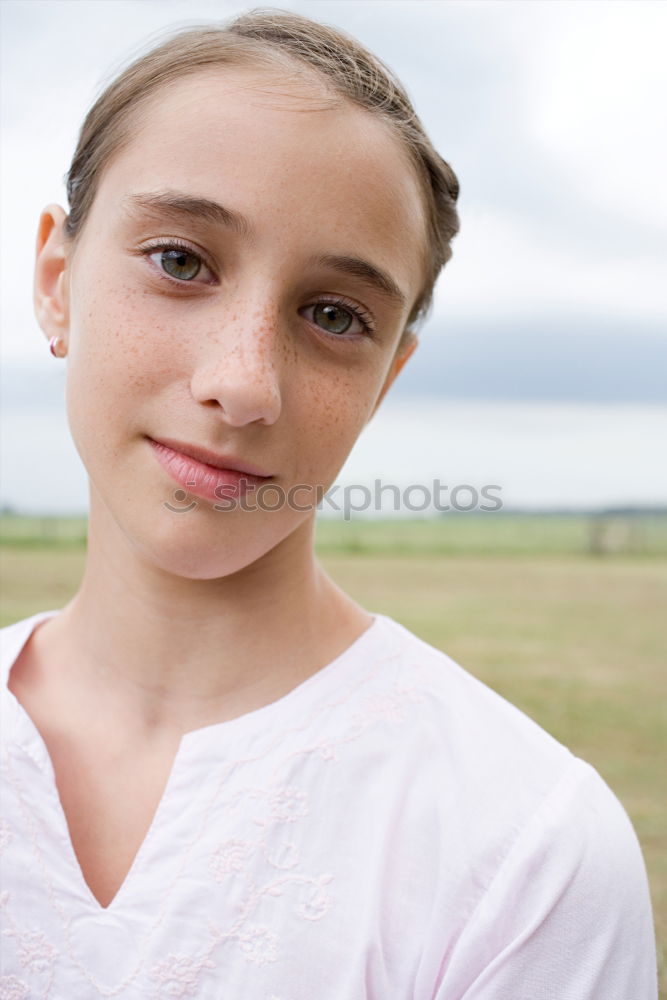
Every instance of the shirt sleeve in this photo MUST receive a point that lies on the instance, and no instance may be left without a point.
(568, 914)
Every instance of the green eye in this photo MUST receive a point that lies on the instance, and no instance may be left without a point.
(332, 318)
(175, 263)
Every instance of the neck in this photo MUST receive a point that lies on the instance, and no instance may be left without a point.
(155, 654)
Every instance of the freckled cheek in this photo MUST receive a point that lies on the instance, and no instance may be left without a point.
(119, 340)
(332, 414)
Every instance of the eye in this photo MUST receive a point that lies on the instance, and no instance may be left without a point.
(338, 318)
(176, 261)
(180, 264)
(332, 318)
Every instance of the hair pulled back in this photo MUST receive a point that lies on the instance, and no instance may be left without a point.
(266, 38)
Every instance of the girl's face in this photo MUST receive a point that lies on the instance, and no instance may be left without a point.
(265, 329)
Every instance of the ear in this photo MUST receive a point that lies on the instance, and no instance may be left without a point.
(50, 286)
(406, 350)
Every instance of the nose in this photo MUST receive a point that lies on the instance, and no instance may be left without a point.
(239, 372)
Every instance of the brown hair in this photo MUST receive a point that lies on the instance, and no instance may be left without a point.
(265, 37)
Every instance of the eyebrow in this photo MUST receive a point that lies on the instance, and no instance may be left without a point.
(180, 205)
(369, 273)
(187, 206)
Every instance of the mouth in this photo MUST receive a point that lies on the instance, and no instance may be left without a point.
(206, 473)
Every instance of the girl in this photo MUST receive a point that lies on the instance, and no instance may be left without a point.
(223, 777)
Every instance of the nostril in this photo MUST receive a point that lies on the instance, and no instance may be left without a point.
(244, 393)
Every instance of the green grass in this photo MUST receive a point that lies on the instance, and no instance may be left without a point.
(575, 640)
(500, 533)
(24, 531)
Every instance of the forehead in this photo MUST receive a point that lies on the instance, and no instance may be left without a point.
(282, 151)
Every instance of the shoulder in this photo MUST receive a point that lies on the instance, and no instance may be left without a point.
(534, 846)
(498, 782)
(13, 638)
(567, 909)
(487, 745)
(18, 631)
(477, 767)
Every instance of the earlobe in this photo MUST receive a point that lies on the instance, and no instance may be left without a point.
(405, 351)
(50, 288)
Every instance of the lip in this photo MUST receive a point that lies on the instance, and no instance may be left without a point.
(206, 473)
(208, 457)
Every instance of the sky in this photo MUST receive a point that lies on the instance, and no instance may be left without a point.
(551, 113)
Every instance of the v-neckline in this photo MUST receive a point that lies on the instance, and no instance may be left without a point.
(138, 860)
(39, 751)
(190, 741)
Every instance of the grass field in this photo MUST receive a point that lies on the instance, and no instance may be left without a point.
(493, 534)
(574, 637)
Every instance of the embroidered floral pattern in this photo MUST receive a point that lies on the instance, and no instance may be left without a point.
(287, 804)
(307, 895)
(259, 944)
(34, 951)
(283, 856)
(264, 883)
(390, 705)
(318, 900)
(5, 835)
(12, 988)
(178, 976)
(230, 857)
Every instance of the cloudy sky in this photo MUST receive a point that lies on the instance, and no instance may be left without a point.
(552, 115)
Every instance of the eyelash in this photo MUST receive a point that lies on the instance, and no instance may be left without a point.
(360, 314)
(364, 318)
(174, 244)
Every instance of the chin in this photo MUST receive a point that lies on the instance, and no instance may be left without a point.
(194, 546)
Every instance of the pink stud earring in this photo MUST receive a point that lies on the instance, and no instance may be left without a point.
(56, 345)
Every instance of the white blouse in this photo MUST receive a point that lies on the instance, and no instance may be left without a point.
(390, 829)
